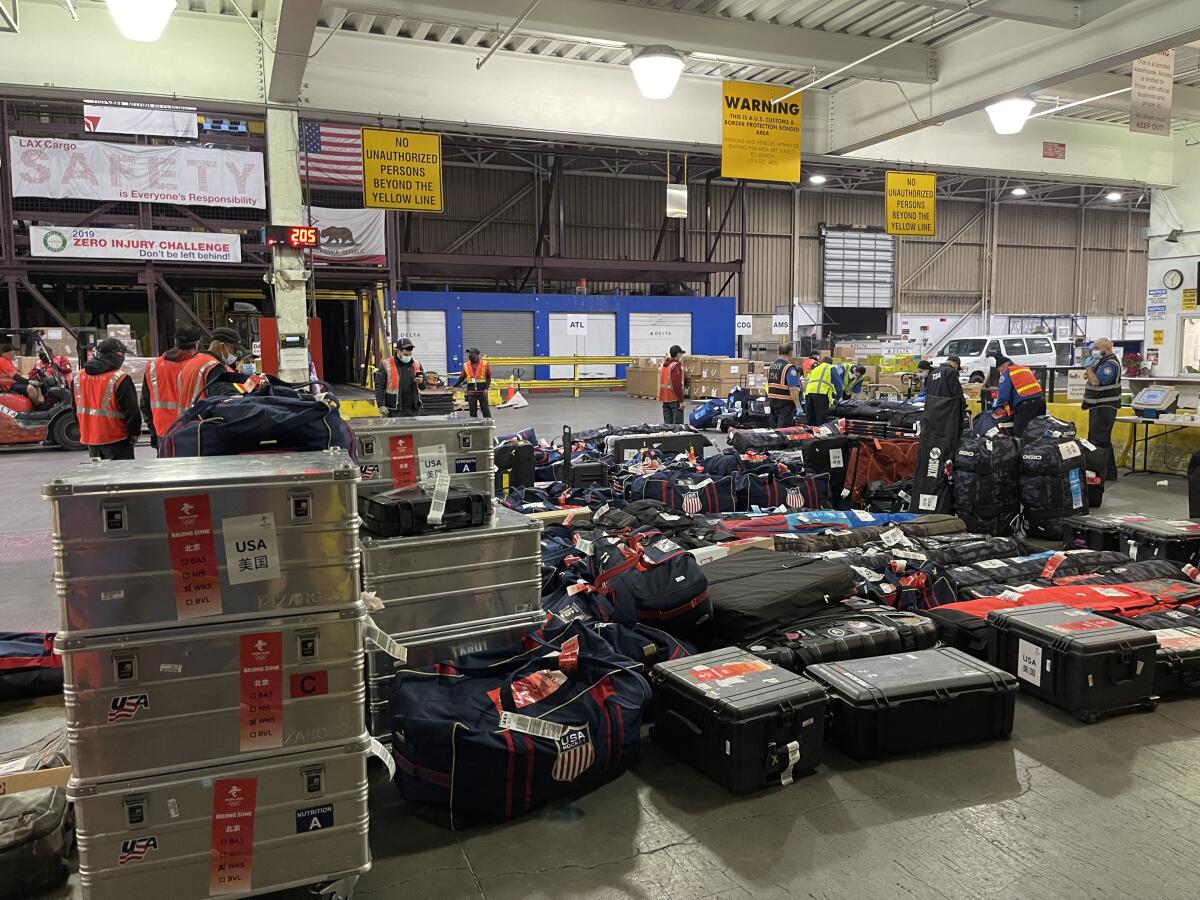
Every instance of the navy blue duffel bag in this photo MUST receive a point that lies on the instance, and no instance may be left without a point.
(491, 736)
(274, 418)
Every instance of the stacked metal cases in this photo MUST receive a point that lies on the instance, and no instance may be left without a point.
(399, 452)
(212, 643)
(450, 593)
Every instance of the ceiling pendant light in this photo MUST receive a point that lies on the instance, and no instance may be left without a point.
(817, 179)
(1008, 116)
(656, 69)
(141, 20)
(1019, 192)
(1113, 196)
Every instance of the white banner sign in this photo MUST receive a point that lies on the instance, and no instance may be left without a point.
(132, 243)
(92, 170)
(781, 324)
(1150, 101)
(350, 236)
(743, 325)
(576, 325)
(140, 118)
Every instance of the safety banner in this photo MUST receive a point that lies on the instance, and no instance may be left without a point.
(93, 170)
(134, 243)
(349, 236)
(140, 118)
(759, 139)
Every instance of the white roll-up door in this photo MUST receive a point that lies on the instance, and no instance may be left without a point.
(858, 269)
(653, 334)
(600, 340)
(499, 334)
(426, 328)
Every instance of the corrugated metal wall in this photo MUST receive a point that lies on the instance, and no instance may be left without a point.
(1037, 267)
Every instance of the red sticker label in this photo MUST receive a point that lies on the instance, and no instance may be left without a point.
(402, 450)
(731, 670)
(1084, 625)
(262, 691)
(231, 857)
(1052, 565)
(1186, 642)
(309, 684)
(568, 657)
(193, 556)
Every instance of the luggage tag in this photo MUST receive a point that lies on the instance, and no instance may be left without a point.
(894, 537)
(380, 752)
(510, 721)
(793, 749)
(384, 642)
(661, 550)
(441, 490)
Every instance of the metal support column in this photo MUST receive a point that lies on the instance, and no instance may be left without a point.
(707, 229)
(152, 309)
(745, 247)
(1077, 305)
(14, 306)
(793, 247)
(8, 251)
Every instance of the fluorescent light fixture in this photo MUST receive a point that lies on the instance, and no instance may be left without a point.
(817, 179)
(1113, 196)
(141, 20)
(1019, 192)
(1008, 116)
(656, 69)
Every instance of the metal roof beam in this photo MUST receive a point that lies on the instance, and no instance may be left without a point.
(1185, 101)
(621, 24)
(1010, 58)
(1055, 13)
(295, 25)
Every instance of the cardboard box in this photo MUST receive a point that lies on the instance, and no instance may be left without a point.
(641, 382)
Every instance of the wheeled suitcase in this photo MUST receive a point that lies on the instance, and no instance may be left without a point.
(173, 542)
(912, 701)
(150, 701)
(37, 826)
(740, 720)
(247, 828)
(401, 452)
(624, 447)
(757, 592)
(1082, 662)
(403, 513)
(1095, 532)
(514, 466)
(846, 634)
(1176, 540)
(581, 472)
(1177, 662)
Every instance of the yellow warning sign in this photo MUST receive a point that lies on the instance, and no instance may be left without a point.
(911, 203)
(759, 140)
(1157, 337)
(402, 170)
(1189, 300)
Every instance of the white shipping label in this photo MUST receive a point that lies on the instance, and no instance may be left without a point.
(793, 749)
(835, 458)
(529, 725)
(251, 548)
(431, 462)
(1069, 450)
(384, 641)
(927, 501)
(441, 490)
(892, 537)
(1088, 444)
(991, 564)
(1029, 662)
(384, 755)
(14, 765)
(583, 545)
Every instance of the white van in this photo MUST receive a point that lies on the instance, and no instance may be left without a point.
(1028, 350)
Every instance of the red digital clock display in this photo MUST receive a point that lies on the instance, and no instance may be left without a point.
(298, 237)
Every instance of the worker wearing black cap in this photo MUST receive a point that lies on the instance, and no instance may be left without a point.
(106, 404)
(398, 382)
(201, 376)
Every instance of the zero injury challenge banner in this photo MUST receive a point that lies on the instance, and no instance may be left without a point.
(134, 243)
(93, 170)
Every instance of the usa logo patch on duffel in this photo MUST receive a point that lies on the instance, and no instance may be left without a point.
(691, 503)
(794, 499)
(575, 753)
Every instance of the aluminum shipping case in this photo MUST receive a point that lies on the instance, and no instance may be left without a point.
(434, 646)
(152, 701)
(451, 578)
(248, 828)
(176, 542)
(397, 452)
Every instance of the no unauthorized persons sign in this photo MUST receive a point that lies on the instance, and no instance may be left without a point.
(911, 203)
(402, 170)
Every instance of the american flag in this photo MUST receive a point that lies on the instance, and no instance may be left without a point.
(137, 848)
(331, 154)
(575, 753)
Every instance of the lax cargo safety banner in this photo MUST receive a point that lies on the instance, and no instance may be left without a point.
(911, 203)
(759, 140)
(93, 170)
(134, 243)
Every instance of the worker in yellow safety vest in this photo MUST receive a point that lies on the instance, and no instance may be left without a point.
(819, 392)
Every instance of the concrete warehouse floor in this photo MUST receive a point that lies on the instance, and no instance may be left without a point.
(1061, 810)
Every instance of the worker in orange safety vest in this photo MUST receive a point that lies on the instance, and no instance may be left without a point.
(1019, 394)
(475, 379)
(106, 404)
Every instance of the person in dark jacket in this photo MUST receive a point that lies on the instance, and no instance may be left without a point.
(398, 382)
(106, 404)
(943, 382)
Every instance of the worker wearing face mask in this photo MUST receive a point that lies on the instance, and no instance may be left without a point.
(247, 370)
(398, 382)
(200, 376)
